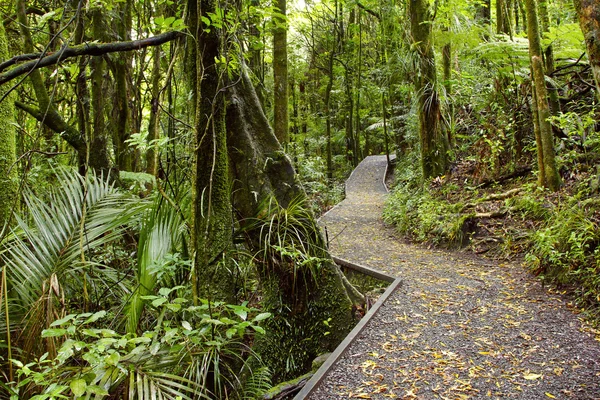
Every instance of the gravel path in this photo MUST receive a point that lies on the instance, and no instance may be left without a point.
(459, 327)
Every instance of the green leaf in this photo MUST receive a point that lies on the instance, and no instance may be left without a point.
(95, 317)
(230, 332)
(46, 333)
(158, 302)
(186, 325)
(112, 359)
(258, 329)
(78, 387)
(64, 320)
(174, 307)
(98, 390)
(262, 316)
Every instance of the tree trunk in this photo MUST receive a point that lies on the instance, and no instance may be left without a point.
(280, 75)
(433, 142)
(502, 17)
(549, 59)
(8, 146)
(153, 122)
(357, 129)
(98, 142)
(327, 101)
(82, 92)
(589, 19)
(211, 195)
(551, 179)
(263, 172)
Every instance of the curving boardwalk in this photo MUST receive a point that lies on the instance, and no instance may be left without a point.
(460, 327)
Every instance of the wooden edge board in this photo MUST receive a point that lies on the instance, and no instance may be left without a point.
(365, 270)
(313, 383)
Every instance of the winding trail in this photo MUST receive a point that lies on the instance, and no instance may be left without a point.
(459, 327)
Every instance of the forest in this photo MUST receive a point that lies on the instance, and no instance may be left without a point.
(163, 164)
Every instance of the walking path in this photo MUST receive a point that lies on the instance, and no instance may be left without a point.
(459, 326)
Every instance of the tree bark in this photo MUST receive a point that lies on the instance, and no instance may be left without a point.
(502, 19)
(262, 173)
(549, 59)
(548, 170)
(124, 154)
(280, 75)
(211, 195)
(8, 147)
(98, 141)
(433, 142)
(153, 122)
(589, 20)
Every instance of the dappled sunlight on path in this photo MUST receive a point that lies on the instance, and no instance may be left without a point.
(459, 327)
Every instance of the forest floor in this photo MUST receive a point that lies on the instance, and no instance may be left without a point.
(459, 327)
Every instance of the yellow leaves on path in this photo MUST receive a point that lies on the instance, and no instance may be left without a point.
(459, 327)
(532, 377)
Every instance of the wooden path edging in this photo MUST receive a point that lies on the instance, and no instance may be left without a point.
(339, 351)
(364, 270)
(314, 382)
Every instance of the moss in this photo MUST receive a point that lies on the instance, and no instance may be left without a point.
(8, 156)
(302, 328)
(364, 283)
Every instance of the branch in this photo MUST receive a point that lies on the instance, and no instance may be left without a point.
(92, 49)
(369, 11)
(55, 122)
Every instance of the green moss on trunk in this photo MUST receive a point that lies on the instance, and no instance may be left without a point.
(304, 325)
(211, 190)
(434, 144)
(8, 148)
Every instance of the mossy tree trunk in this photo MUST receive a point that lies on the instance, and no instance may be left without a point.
(280, 74)
(589, 20)
(263, 172)
(502, 17)
(98, 143)
(154, 119)
(434, 144)
(548, 169)
(549, 59)
(211, 194)
(8, 147)
(125, 156)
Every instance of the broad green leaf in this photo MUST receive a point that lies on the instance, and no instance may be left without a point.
(95, 317)
(78, 387)
(262, 316)
(63, 320)
(46, 333)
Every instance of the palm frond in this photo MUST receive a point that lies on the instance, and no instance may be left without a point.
(162, 231)
(47, 249)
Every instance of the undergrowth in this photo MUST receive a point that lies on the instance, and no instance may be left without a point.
(557, 234)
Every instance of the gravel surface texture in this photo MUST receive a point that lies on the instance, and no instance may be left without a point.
(459, 327)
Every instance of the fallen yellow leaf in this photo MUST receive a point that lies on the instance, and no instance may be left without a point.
(532, 377)
(549, 395)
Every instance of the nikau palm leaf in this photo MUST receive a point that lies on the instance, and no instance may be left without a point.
(51, 243)
(162, 229)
